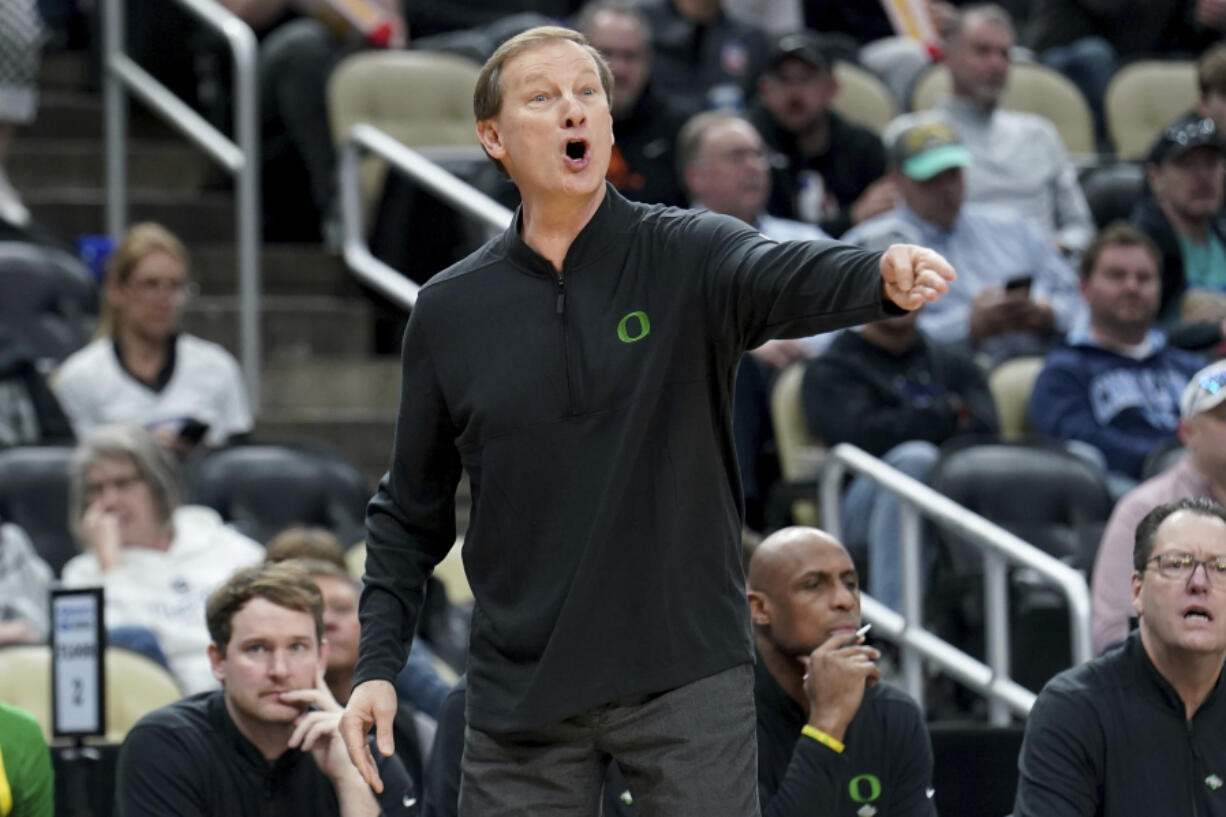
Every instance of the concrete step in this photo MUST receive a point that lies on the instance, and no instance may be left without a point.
(341, 386)
(287, 269)
(293, 328)
(42, 164)
(196, 216)
(79, 115)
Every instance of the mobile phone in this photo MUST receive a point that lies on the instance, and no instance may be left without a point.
(1020, 282)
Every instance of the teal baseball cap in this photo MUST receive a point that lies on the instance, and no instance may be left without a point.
(922, 151)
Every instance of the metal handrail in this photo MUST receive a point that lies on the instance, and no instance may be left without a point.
(387, 280)
(1000, 548)
(240, 156)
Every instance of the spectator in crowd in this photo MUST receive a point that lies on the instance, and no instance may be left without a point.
(824, 723)
(1115, 386)
(1019, 162)
(1016, 294)
(156, 559)
(1141, 730)
(645, 123)
(140, 368)
(1211, 86)
(703, 58)
(827, 171)
(342, 631)
(1200, 472)
(527, 396)
(20, 43)
(297, 54)
(24, 581)
(724, 169)
(419, 682)
(1185, 171)
(266, 742)
(899, 397)
(27, 781)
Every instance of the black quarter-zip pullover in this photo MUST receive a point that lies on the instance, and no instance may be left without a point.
(592, 412)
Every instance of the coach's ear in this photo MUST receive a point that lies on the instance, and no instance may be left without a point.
(491, 139)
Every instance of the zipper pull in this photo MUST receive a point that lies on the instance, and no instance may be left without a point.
(561, 296)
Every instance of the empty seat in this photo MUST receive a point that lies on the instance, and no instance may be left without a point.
(1143, 98)
(48, 299)
(800, 455)
(1112, 191)
(34, 496)
(135, 686)
(862, 97)
(419, 98)
(263, 489)
(1033, 88)
(1046, 496)
(1011, 383)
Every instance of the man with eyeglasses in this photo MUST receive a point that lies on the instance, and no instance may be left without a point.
(1200, 473)
(1141, 730)
(1186, 174)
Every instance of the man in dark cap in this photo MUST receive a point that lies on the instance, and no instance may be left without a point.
(1185, 169)
(828, 171)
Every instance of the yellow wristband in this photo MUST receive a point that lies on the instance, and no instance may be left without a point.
(821, 737)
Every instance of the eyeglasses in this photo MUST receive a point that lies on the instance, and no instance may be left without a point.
(1181, 566)
(1190, 131)
(180, 291)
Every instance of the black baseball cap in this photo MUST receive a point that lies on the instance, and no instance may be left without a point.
(1184, 134)
(798, 45)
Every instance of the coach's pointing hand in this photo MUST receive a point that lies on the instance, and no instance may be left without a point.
(912, 275)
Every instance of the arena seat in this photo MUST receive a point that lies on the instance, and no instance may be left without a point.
(1046, 496)
(862, 97)
(263, 489)
(800, 455)
(49, 299)
(135, 686)
(420, 98)
(34, 496)
(1033, 88)
(1143, 98)
(1011, 383)
(1113, 190)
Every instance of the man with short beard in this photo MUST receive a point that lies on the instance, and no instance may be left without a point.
(1115, 386)
(828, 171)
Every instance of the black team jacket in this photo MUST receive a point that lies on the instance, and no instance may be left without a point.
(592, 413)
(1110, 737)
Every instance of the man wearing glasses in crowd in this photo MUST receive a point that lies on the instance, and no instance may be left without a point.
(1200, 472)
(1141, 730)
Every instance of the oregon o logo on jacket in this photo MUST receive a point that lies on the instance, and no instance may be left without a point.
(637, 320)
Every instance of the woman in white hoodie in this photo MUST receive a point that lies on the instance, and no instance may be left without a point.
(156, 560)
